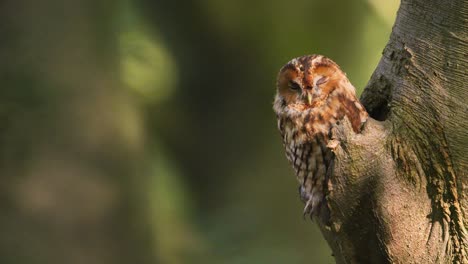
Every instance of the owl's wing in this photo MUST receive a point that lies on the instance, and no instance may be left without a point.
(355, 112)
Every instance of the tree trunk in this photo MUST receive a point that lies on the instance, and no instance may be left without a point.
(398, 190)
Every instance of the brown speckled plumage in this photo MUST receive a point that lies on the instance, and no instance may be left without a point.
(313, 94)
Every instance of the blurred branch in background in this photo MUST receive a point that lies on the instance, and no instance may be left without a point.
(147, 67)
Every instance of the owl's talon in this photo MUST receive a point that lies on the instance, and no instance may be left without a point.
(309, 209)
(307, 198)
(306, 209)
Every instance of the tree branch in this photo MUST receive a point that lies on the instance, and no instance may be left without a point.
(397, 193)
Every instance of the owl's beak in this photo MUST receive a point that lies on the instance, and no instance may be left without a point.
(309, 98)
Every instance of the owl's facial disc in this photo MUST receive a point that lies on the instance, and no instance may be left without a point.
(289, 85)
(296, 88)
(303, 82)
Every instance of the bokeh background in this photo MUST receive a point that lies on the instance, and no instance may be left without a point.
(142, 131)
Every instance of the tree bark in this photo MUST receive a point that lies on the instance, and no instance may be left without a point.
(398, 194)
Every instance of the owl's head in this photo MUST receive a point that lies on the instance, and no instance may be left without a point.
(306, 82)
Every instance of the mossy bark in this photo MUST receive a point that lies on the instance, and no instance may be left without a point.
(398, 190)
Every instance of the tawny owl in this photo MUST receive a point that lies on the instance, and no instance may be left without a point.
(313, 94)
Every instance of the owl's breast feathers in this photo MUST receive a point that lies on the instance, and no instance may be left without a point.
(307, 152)
(305, 134)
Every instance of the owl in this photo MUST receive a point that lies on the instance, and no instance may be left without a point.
(313, 95)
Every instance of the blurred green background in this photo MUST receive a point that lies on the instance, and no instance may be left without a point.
(143, 132)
